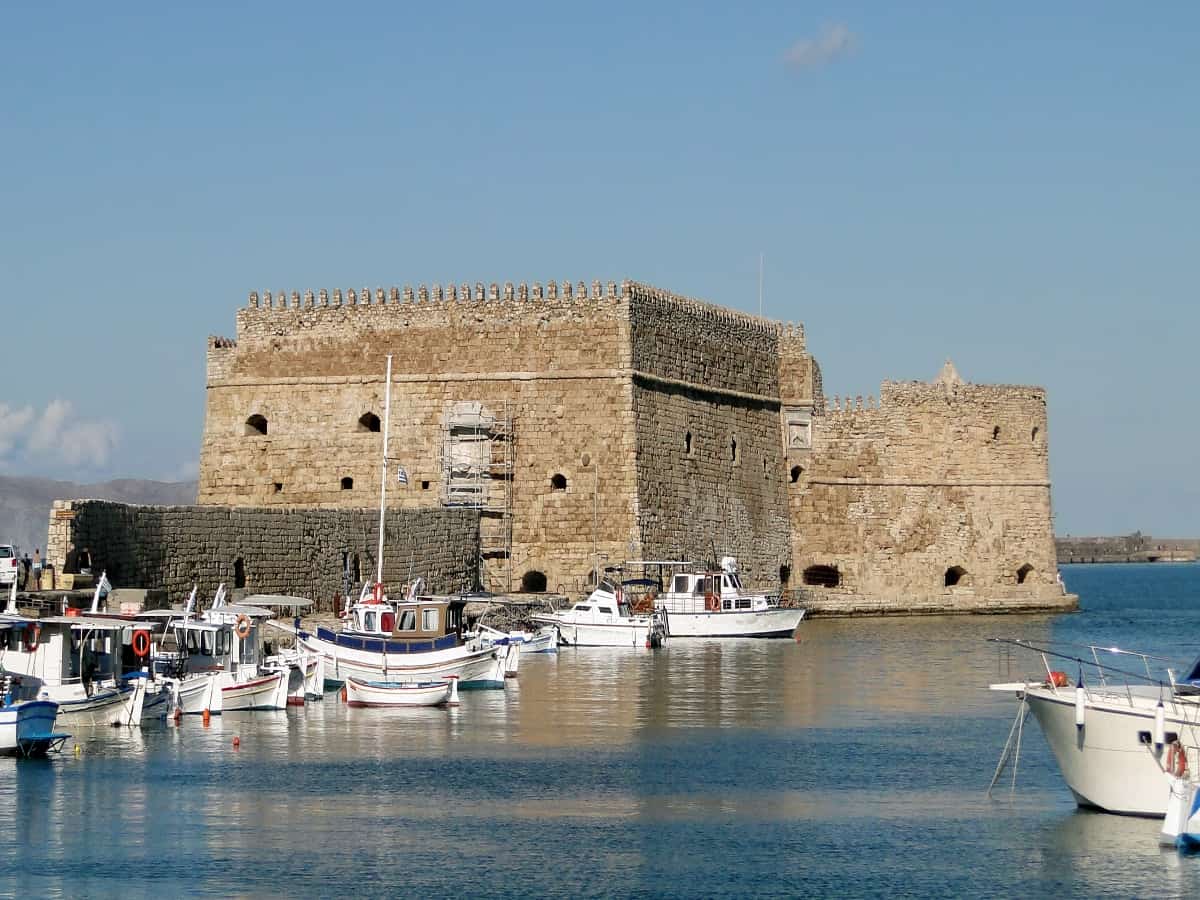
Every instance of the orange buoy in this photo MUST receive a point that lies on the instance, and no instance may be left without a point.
(206, 717)
(178, 715)
(343, 693)
(237, 742)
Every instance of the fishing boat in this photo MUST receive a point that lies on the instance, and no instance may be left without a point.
(711, 602)
(360, 692)
(605, 619)
(416, 639)
(1112, 728)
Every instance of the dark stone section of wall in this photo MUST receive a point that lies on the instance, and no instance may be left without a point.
(285, 551)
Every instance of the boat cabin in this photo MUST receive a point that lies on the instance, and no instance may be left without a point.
(606, 603)
(420, 625)
(67, 649)
(691, 590)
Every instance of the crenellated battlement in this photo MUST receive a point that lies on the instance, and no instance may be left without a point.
(555, 292)
(450, 292)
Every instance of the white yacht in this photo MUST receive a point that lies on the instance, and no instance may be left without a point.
(1112, 729)
(705, 602)
(605, 619)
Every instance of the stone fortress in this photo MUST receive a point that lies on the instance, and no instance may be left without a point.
(589, 425)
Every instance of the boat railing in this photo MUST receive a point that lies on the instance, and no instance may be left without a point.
(1111, 676)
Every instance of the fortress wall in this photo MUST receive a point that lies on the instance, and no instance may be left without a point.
(285, 551)
(558, 367)
(896, 494)
(683, 340)
(709, 501)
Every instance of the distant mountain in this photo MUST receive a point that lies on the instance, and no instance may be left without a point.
(25, 502)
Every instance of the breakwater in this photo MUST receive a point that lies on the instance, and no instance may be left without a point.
(1127, 548)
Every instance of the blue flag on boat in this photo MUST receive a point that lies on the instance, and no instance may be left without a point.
(401, 475)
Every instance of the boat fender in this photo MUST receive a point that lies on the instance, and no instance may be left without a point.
(32, 635)
(242, 629)
(1177, 764)
(1160, 724)
(1080, 704)
(141, 644)
(1058, 679)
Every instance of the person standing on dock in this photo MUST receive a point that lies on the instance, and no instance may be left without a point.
(37, 568)
(26, 570)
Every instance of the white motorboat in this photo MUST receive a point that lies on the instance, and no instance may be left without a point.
(706, 602)
(1112, 729)
(360, 692)
(544, 640)
(26, 724)
(604, 619)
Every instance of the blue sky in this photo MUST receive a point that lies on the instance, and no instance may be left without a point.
(1011, 187)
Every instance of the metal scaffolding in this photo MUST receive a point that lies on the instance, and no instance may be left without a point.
(477, 468)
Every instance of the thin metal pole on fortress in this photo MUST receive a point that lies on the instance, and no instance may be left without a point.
(387, 418)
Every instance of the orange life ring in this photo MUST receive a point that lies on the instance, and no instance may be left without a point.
(242, 629)
(711, 603)
(1177, 763)
(141, 644)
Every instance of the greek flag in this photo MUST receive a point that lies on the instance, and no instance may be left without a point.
(105, 585)
(401, 475)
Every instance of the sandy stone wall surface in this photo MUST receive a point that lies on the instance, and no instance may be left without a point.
(555, 368)
(287, 551)
(936, 476)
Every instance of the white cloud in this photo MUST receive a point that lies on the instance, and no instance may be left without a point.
(810, 53)
(54, 436)
(13, 424)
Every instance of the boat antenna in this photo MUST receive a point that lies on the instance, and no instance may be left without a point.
(387, 415)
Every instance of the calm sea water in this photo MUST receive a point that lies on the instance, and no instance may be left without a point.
(852, 763)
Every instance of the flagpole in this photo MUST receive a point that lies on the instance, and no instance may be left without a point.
(387, 417)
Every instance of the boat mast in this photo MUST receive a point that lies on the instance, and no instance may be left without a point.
(387, 415)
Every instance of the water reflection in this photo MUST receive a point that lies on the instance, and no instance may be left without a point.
(859, 755)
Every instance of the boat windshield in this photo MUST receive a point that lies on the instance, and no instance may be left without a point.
(582, 607)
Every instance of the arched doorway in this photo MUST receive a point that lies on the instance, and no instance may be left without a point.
(533, 582)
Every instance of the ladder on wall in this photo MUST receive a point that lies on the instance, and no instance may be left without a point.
(478, 457)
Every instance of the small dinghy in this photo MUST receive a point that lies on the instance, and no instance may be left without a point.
(360, 692)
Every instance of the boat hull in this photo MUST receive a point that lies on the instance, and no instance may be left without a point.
(603, 635)
(764, 623)
(27, 728)
(265, 691)
(105, 706)
(389, 694)
(1106, 763)
(474, 668)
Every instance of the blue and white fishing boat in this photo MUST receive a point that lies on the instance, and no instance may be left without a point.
(417, 639)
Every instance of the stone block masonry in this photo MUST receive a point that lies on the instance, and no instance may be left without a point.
(297, 551)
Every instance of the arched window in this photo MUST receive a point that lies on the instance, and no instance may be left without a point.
(1033, 434)
(785, 573)
(687, 443)
(239, 573)
(797, 471)
(996, 433)
(955, 575)
(355, 571)
(347, 483)
(822, 576)
(733, 450)
(1023, 573)
(368, 421)
(558, 482)
(533, 582)
(256, 425)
